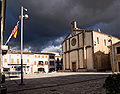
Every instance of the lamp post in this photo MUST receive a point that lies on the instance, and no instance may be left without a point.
(110, 40)
(21, 17)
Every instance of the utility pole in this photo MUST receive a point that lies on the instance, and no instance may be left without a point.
(22, 16)
(2, 29)
(112, 56)
(0, 37)
(113, 66)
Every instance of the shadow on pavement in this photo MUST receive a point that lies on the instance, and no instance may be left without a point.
(50, 82)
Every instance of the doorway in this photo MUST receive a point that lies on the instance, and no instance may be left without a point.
(119, 66)
(74, 66)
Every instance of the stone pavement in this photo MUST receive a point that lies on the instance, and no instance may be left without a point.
(59, 83)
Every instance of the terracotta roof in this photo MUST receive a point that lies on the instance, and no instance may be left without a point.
(18, 52)
(58, 56)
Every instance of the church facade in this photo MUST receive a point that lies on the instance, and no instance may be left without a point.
(86, 50)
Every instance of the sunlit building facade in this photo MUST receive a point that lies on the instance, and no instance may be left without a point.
(116, 56)
(59, 63)
(87, 50)
(33, 62)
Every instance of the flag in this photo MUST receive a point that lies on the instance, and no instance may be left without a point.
(15, 35)
(14, 31)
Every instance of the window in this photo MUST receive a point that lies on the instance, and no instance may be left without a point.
(97, 40)
(27, 60)
(41, 69)
(46, 63)
(52, 63)
(12, 61)
(51, 57)
(18, 68)
(17, 61)
(105, 42)
(6, 69)
(34, 62)
(35, 56)
(40, 63)
(118, 50)
(5, 60)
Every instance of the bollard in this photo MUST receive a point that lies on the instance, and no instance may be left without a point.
(3, 78)
(3, 85)
(3, 89)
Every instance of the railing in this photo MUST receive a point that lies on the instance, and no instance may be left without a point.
(12, 74)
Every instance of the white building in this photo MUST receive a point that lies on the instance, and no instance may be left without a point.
(32, 62)
(59, 62)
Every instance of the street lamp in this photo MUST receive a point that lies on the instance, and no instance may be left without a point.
(21, 17)
(110, 40)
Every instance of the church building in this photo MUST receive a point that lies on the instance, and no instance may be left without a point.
(86, 50)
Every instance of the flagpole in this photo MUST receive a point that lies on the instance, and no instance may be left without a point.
(8, 39)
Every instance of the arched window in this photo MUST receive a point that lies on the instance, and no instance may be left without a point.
(97, 40)
(105, 42)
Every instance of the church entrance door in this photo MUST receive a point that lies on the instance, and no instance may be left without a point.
(74, 66)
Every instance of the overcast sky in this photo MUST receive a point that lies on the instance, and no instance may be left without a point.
(49, 20)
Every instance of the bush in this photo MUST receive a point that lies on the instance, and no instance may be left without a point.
(112, 84)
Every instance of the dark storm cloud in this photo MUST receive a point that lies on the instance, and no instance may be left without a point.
(50, 19)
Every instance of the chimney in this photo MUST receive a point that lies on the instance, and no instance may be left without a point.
(98, 30)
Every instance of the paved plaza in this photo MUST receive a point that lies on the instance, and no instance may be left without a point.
(59, 83)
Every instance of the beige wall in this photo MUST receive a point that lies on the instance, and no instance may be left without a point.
(101, 46)
(88, 39)
(87, 53)
(81, 40)
(64, 61)
(67, 61)
(80, 63)
(63, 47)
(76, 46)
(101, 51)
(78, 53)
(67, 42)
(74, 58)
(116, 57)
(89, 59)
